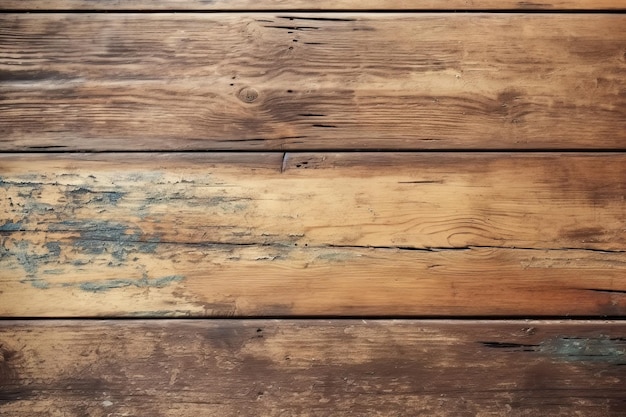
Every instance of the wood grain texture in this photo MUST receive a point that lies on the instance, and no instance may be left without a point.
(312, 234)
(309, 81)
(243, 5)
(312, 368)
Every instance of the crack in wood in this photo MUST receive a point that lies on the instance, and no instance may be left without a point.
(606, 290)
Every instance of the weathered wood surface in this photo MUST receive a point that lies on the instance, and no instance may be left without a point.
(312, 234)
(311, 5)
(311, 81)
(312, 368)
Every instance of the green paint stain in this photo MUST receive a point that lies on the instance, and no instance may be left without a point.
(144, 282)
(578, 349)
(37, 283)
(10, 226)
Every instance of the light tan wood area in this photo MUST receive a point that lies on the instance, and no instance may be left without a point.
(312, 234)
(311, 5)
(309, 81)
(312, 368)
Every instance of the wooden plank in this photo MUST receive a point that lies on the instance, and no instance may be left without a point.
(310, 81)
(243, 5)
(312, 368)
(312, 234)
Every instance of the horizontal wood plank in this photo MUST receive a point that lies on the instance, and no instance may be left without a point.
(312, 368)
(312, 234)
(290, 81)
(311, 5)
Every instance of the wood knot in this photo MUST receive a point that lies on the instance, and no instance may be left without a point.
(248, 95)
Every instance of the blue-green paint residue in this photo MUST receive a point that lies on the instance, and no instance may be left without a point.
(11, 226)
(37, 283)
(598, 349)
(107, 198)
(96, 237)
(54, 249)
(26, 258)
(144, 282)
(26, 181)
(116, 240)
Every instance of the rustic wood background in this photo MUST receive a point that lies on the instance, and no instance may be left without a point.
(312, 208)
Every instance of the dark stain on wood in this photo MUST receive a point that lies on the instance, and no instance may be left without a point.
(10, 387)
(370, 368)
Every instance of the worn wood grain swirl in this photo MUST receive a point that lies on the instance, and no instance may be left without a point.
(312, 368)
(305, 81)
(243, 5)
(313, 234)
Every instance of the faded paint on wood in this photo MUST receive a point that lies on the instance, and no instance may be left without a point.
(453, 5)
(312, 234)
(48, 276)
(304, 81)
(312, 368)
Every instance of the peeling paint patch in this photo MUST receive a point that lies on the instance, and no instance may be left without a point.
(109, 198)
(145, 282)
(604, 349)
(28, 260)
(11, 226)
(37, 283)
(97, 237)
(574, 349)
(53, 248)
(29, 257)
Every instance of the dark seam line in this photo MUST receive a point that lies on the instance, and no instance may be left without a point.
(322, 150)
(439, 317)
(325, 11)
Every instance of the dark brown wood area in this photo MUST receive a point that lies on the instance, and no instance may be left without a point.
(294, 208)
(291, 81)
(312, 368)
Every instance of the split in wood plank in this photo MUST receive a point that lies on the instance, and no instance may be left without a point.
(312, 234)
(261, 81)
(312, 368)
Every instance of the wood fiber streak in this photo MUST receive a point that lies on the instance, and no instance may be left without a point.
(289, 81)
(243, 5)
(312, 234)
(312, 368)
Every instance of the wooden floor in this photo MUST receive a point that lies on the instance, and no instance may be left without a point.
(312, 208)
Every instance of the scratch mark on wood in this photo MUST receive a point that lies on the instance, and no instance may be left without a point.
(505, 345)
(320, 19)
(293, 27)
